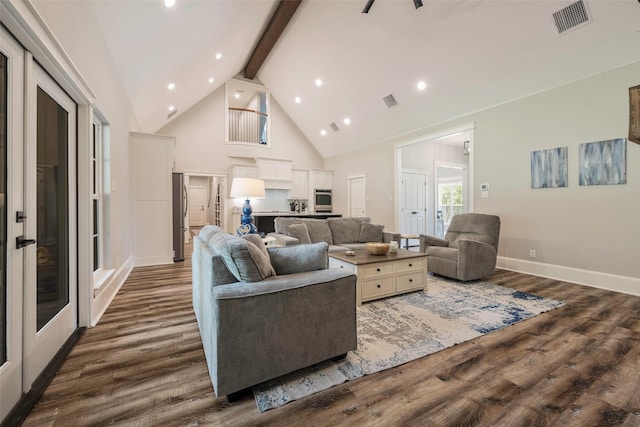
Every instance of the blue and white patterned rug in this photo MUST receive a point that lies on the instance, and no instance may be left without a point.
(398, 330)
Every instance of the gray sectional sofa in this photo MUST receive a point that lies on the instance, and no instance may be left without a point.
(339, 233)
(263, 313)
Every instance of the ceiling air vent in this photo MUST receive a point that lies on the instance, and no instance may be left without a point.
(171, 114)
(572, 16)
(334, 127)
(390, 101)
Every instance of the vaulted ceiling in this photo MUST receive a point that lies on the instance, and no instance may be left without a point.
(472, 54)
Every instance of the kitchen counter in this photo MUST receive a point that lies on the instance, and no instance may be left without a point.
(264, 220)
(296, 214)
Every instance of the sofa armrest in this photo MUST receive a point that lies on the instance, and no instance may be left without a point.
(389, 236)
(284, 240)
(475, 259)
(426, 240)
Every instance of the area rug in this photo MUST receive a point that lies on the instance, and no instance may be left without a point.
(400, 329)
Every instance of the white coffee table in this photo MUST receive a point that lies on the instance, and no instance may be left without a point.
(381, 276)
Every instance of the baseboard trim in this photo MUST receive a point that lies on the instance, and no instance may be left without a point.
(595, 279)
(28, 400)
(103, 296)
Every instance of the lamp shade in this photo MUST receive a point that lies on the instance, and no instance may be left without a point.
(247, 188)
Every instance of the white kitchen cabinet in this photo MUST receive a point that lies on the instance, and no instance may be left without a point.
(275, 173)
(244, 171)
(321, 178)
(300, 184)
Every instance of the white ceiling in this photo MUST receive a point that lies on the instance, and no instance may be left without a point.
(472, 54)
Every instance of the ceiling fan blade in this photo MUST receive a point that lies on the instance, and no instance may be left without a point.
(369, 4)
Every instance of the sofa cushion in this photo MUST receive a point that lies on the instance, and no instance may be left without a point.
(300, 232)
(345, 230)
(319, 231)
(245, 260)
(299, 258)
(370, 233)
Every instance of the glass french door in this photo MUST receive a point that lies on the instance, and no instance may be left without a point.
(38, 283)
(11, 200)
(50, 310)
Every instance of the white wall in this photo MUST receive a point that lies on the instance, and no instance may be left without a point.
(588, 234)
(200, 144)
(75, 27)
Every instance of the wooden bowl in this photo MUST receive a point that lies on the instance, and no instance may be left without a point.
(377, 248)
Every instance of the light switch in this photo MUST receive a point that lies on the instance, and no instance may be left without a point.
(484, 190)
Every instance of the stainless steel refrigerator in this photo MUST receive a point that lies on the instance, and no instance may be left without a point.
(179, 212)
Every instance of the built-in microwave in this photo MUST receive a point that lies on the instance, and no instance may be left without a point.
(323, 200)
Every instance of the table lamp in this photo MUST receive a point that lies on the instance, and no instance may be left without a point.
(247, 188)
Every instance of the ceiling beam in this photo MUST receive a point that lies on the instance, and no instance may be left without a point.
(281, 17)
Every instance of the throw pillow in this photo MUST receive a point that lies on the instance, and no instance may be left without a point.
(370, 233)
(319, 231)
(300, 232)
(257, 240)
(299, 258)
(243, 259)
(346, 230)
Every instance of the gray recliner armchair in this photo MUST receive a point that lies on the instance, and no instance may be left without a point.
(469, 250)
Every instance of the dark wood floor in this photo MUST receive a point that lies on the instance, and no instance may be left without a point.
(143, 364)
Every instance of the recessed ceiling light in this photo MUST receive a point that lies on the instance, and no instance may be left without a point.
(422, 85)
(171, 86)
(218, 55)
(347, 121)
(237, 95)
(298, 100)
(210, 79)
(171, 108)
(318, 82)
(169, 3)
(323, 132)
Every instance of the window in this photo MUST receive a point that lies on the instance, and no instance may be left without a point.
(100, 180)
(96, 196)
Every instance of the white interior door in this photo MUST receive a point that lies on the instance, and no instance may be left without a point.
(50, 308)
(197, 204)
(357, 196)
(11, 201)
(413, 211)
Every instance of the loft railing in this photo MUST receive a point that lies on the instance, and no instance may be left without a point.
(247, 126)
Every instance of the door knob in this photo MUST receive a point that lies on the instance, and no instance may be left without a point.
(21, 242)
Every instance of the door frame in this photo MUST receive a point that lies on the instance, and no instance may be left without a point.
(433, 137)
(224, 191)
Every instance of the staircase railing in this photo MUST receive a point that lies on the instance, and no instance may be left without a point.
(247, 126)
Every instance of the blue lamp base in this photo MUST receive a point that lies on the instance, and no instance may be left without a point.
(246, 221)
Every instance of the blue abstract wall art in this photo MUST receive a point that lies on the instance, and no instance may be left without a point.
(549, 168)
(603, 162)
